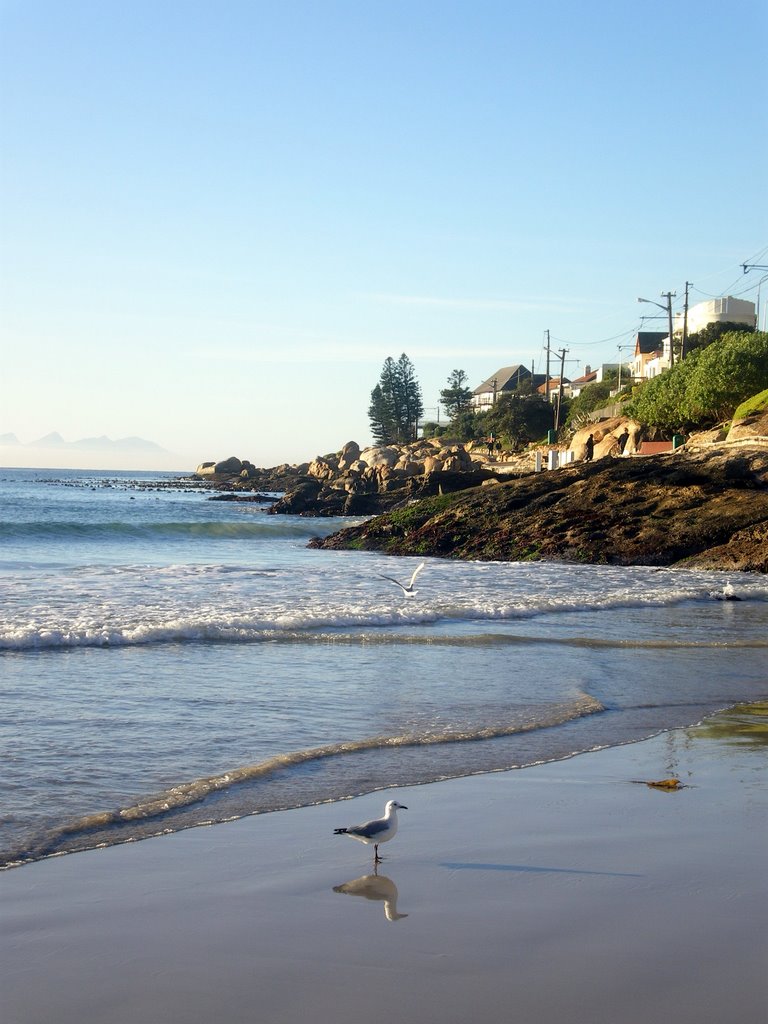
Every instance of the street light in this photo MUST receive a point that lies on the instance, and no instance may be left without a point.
(668, 309)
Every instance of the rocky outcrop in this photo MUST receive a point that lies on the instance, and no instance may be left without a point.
(705, 507)
(379, 478)
(607, 436)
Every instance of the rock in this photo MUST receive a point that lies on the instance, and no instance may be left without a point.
(432, 464)
(206, 469)
(298, 500)
(752, 427)
(320, 469)
(350, 453)
(702, 508)
(381, 456)
(606, 435)
(228, 467)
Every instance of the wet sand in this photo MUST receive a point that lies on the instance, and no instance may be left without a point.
(559, 893)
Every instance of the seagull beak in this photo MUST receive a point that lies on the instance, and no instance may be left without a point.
(402, 807)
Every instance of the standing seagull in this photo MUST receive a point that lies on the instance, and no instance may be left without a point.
(381, 830)
(407, 588)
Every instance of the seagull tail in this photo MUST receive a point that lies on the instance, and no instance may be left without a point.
(339, 831)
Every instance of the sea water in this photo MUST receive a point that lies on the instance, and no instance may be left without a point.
(168, 660)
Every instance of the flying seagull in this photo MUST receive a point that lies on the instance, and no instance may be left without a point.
(407, 588)
(380, 830)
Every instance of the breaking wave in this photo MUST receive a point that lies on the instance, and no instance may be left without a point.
(158, 813)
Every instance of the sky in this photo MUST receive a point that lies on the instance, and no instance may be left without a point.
(219, 219)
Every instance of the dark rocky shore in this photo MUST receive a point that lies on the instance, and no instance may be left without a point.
(702, 507)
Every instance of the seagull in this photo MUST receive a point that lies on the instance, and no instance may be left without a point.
(727, 594)
(407, 588)
(380, 830)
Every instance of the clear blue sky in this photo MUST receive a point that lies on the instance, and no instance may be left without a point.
(218, 219)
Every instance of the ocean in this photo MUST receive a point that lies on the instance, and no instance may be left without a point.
(169, 661)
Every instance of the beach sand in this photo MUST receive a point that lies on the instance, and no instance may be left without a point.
(559, 893)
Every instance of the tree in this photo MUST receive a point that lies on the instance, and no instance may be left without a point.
(396, 404)
(455, 398)
(707, 386)
(713, 332)
(381, 415)
(517, 417)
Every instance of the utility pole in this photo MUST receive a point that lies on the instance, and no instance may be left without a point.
(668, 308)
(684, 349)
(669, 296)
(546, 374)
(560, 389)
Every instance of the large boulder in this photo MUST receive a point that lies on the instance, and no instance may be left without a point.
(350, 454)
(320, 469)
(229, 467)
(380, 456)
(299, 499)
(607, 437)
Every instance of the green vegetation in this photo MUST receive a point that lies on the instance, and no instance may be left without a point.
(455, 398)
(707, 387)
(396, 404)
(710, 334)
(756, 404)
(595, 396)
(516, 419)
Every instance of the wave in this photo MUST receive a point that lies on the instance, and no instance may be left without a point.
(342, 629)
(69, 531)
(153, 815)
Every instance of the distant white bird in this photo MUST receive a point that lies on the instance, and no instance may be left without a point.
(380, 830)
(727, 594)
(407, 588)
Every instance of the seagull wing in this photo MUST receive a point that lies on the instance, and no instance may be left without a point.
(369, 829)
(396, 582)
(416, 572)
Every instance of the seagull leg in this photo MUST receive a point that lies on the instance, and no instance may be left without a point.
(376, 857)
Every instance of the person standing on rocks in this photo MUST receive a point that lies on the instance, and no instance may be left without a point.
(589, 448)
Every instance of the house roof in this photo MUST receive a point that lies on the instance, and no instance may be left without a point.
(506, 379)
(554, 384)
(649, 341)
(587, 378)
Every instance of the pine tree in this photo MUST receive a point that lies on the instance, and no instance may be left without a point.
(455, 398)
(396, 404)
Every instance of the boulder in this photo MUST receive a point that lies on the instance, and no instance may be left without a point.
(320, 469)
(228, 467)
(206, 469)
(432, 464)
(381, 456)
(350, 453)
(299, 499)
(606, 435)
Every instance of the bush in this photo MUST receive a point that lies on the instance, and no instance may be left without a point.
(707, 386)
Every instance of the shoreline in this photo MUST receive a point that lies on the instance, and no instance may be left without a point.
(561, 891)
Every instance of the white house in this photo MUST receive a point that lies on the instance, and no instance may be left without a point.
(726, 309)
(506, 379)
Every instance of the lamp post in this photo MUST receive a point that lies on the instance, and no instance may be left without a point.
(668, 309)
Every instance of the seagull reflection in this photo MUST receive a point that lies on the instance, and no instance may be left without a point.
(374, 887)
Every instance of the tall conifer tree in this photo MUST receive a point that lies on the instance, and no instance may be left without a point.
(396, 404)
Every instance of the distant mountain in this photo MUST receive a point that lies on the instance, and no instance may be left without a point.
(123, 444)
(137, 445)
(52, 440)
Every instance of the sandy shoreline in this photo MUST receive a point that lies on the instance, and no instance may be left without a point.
(562, 892)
